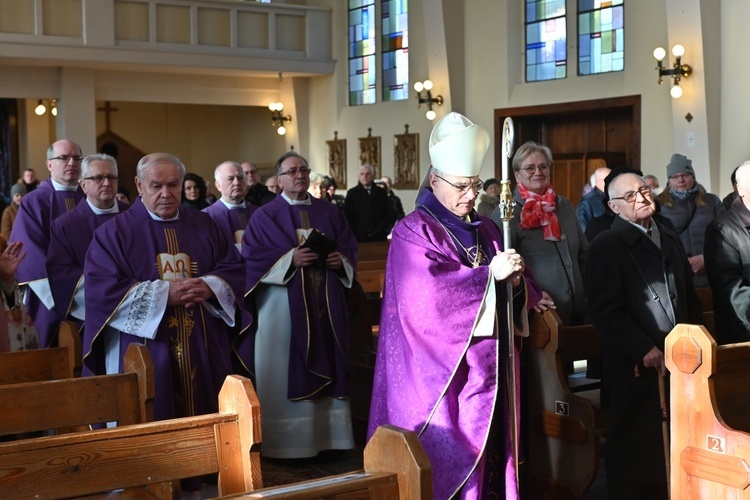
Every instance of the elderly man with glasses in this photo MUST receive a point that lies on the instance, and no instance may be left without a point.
(54, 197)
(440, 368)
(639, 285)
(71, 234)
(301, 256)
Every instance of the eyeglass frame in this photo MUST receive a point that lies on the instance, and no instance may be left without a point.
(528, 169)
(67, 158)
(643, 190)
(99, 179)
(293, 172)
(474, 186)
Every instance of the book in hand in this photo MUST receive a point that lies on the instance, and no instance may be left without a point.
(321, 245)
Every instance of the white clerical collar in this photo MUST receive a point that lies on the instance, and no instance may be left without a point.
(232, 206)
(156, 217)
(306, 201)
(103, 211)
(62, 187)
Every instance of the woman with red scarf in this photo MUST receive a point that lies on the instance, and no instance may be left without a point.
(546, 232)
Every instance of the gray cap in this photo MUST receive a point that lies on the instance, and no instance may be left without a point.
(17, 188)
(680, 164)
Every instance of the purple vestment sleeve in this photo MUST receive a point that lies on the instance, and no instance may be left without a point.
(190, 351)
(432, 375)
(319, 350)
(32, 226)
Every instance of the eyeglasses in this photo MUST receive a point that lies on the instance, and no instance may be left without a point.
(101, 178)
(65, 158)
(293, 172)
(530, 169)
(464, 188)
(631, 196)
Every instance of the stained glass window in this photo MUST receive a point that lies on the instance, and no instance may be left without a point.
(394, 48)
(601, 45)
(362, 63)
(546, 51)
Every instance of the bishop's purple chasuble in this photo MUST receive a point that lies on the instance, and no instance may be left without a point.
(435, 374)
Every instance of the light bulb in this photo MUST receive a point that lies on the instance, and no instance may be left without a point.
(40, 108)
(281, 130)
(660, 53)
(431, 115)
(418, 86)
(676, 91)
(678, 50)
(428, 84)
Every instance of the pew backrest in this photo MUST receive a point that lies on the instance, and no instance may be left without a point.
(97, 461)
(72, 403)
(395, 467)
(44, 364)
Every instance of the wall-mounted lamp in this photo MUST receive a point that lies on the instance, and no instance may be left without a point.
(40, 108)
(427, 98)
(678, 70)
(277, 119)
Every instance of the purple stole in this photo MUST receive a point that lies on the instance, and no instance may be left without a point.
(432, 376)
(32, 226)
(70, 236)
(190, 352)
(319, 350)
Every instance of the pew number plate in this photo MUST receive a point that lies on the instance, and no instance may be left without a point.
(562, 408)
(715, 444)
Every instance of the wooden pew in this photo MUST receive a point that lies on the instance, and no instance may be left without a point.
(76, 403)
(395, 466)
(709, 417)
(365, 306)
(100, 461)
(564, 428)
(44, 364)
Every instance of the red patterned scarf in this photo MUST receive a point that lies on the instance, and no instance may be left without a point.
(539, 211)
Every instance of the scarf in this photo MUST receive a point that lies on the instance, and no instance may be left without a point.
(539, 211)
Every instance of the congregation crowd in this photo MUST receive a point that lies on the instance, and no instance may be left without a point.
(256, 281)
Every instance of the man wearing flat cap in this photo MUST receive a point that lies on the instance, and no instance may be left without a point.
(443, 324)
(691, 209)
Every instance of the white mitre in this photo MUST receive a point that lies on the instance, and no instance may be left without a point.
(457, 147)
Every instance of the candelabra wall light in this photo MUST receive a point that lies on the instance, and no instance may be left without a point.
(41, 108)
(678, 71)
(427, 98)
(277, 119)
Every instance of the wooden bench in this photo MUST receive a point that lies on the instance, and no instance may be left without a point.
(165, 451)
(564, 428)
(71, 404)
(709, 417)
(365, 303)
(44, 364)
(395, 466)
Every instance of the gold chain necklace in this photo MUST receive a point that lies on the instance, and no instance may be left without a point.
(475, 254)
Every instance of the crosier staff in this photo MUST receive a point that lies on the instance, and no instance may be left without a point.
(506, 214)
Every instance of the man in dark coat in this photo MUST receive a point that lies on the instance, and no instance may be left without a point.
(368, 209)
(638, 286)
(727, 255)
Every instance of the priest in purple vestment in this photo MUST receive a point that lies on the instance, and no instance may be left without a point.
(164, 276)
(71, 234)
(54, 197)
(441, 361)
(301, 257)
(231, 214)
